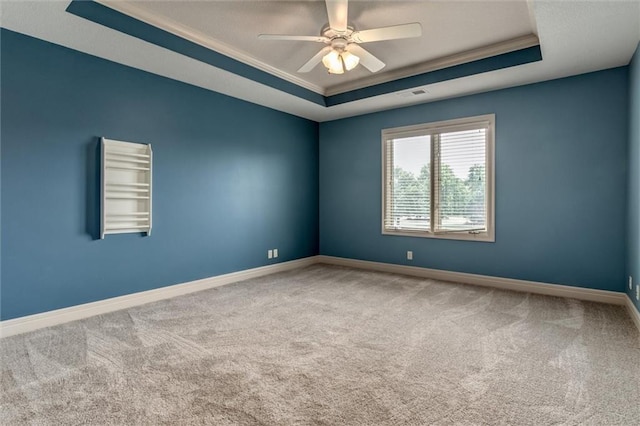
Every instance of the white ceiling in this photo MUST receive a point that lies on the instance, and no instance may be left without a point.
(575, 37)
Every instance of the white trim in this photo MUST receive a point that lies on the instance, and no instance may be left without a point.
(633, 311)
(602, 296)
(202, 39)
(59, 316)
(451, 125)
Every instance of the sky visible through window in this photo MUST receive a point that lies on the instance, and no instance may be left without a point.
(414, 153)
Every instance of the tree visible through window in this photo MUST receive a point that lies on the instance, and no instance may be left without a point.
(438, 181)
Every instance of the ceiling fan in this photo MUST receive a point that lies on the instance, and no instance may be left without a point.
(343, 51)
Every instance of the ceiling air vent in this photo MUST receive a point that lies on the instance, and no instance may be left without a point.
(413, 92)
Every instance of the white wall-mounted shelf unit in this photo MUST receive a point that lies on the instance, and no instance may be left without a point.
(126, 187)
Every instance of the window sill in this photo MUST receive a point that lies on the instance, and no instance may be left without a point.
(485, 237)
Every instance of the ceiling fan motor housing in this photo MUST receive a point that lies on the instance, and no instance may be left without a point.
(339, 43)
(337, 36)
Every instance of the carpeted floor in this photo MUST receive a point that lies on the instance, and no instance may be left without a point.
(330, 345)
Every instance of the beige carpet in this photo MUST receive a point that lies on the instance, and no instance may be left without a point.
(330, 345)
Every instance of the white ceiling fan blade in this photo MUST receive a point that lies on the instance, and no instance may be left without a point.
(337, 11)
(319, 39)
(311, 64)
(388, 33)
(367, 60)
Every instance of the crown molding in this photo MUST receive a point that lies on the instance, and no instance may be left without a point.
(500, 48)
(202, 39)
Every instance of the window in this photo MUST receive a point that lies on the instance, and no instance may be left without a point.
(438, 179)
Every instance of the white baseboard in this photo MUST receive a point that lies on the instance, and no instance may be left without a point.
(603, 296)
(635, 314)
(59, 316)
(73, 313)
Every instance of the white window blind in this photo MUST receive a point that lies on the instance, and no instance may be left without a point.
(409, 183)
(438, 179)
(460, 174)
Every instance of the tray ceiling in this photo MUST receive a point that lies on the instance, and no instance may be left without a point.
(574, 36)
(449, 28)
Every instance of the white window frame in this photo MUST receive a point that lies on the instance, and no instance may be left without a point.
(454, 125)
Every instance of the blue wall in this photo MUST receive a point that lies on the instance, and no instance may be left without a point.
(560, 184)
(633, 253)
(232, 180)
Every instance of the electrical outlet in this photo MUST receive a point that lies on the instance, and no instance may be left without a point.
(630, 282)
(269, 254)
(637, 291)
(275, 252)
(409, 255)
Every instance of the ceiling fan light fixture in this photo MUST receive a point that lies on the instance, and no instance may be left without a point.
(338, 62)
(333, 62)
(349, 60)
